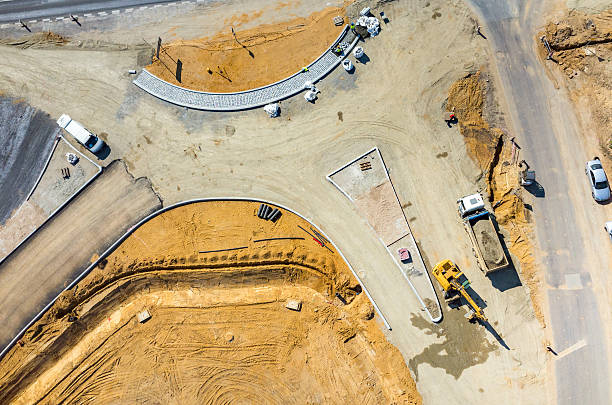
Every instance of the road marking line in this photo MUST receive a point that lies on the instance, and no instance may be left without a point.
(59, 18)
(32, 21)
(143, 7)
(46, 20)
(576, 346)
(102, 13)
(129, 10)
(87, 15)
(115, 12)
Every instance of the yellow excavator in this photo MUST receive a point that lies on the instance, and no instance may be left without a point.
(454, 284)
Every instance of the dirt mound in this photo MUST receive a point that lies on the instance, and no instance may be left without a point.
(466, 98)
(582, 45)
(38, 40)
(252, 58)
(492, 151)
(219, 330)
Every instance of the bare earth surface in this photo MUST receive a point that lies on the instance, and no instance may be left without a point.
(54, 256)
(50, 193)
(252, 58)
(219, 330)
(395, 101)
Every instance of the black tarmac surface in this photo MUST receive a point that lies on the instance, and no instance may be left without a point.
(26, 139)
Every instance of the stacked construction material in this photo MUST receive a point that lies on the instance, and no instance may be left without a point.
(268, 213)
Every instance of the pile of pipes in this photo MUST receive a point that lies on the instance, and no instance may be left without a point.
(268, 213)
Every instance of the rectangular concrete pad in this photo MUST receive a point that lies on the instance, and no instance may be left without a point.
(40, 269)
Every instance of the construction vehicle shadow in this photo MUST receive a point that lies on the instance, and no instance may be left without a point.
(536, 190)
(496, 335)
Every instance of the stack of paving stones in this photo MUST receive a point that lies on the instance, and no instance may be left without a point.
(261, 96)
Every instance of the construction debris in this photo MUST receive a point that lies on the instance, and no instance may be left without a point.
(294, 305)
(143, 316)
(370, 23)
(272, 109)
(268, 213)
(72, 158)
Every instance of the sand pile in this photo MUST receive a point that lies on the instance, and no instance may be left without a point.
(38, 40)
(253, 58)
(582, 46)
(219, 332)
(492, 151)
(466, 98)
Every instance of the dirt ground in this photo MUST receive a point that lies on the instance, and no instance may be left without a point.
(54, 255)
(219, 331)
(394, 101)
(253, 58)
(491, 148)
(582, 50)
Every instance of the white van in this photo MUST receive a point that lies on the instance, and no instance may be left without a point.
(81, 134)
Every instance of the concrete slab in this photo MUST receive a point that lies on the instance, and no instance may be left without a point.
(366, 182)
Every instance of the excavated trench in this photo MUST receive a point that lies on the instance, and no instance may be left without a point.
(219, 330)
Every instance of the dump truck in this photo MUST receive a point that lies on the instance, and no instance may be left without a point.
(478, 223)
(80, 133)
(454, 284)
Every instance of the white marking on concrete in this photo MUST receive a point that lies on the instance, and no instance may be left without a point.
(46, 20)
(576, 346)
(102, 13)
(573, 282)
(32, 21)
(4, 26)
(115, 12)
(143, 7)
(59, 18)
(129, 10)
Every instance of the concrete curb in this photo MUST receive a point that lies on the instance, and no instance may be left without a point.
(248, 99)
(328, 177)
(58, 209)
(161, 211)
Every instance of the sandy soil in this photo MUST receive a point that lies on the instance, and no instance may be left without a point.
(582, 48)
(253, 58)
(219, 330)
(394, 101)
(51, 192)
(491, 148)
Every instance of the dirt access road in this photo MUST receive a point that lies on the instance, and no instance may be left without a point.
(575, 253)
(41, 268)
(395, 102)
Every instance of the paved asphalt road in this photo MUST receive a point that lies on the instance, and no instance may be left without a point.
(14, 10)
(568, 222)
(26, 139)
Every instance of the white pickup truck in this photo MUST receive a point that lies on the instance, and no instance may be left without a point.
(80, 133)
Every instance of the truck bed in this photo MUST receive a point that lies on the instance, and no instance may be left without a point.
(487, 240)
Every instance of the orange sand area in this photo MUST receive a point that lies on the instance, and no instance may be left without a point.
(252, 58)
(219, 331)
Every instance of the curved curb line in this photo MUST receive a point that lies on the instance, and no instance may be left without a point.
(328, 177)
(58, 209)
(146, 74)
(131, 230)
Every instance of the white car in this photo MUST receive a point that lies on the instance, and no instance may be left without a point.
(600, 189)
